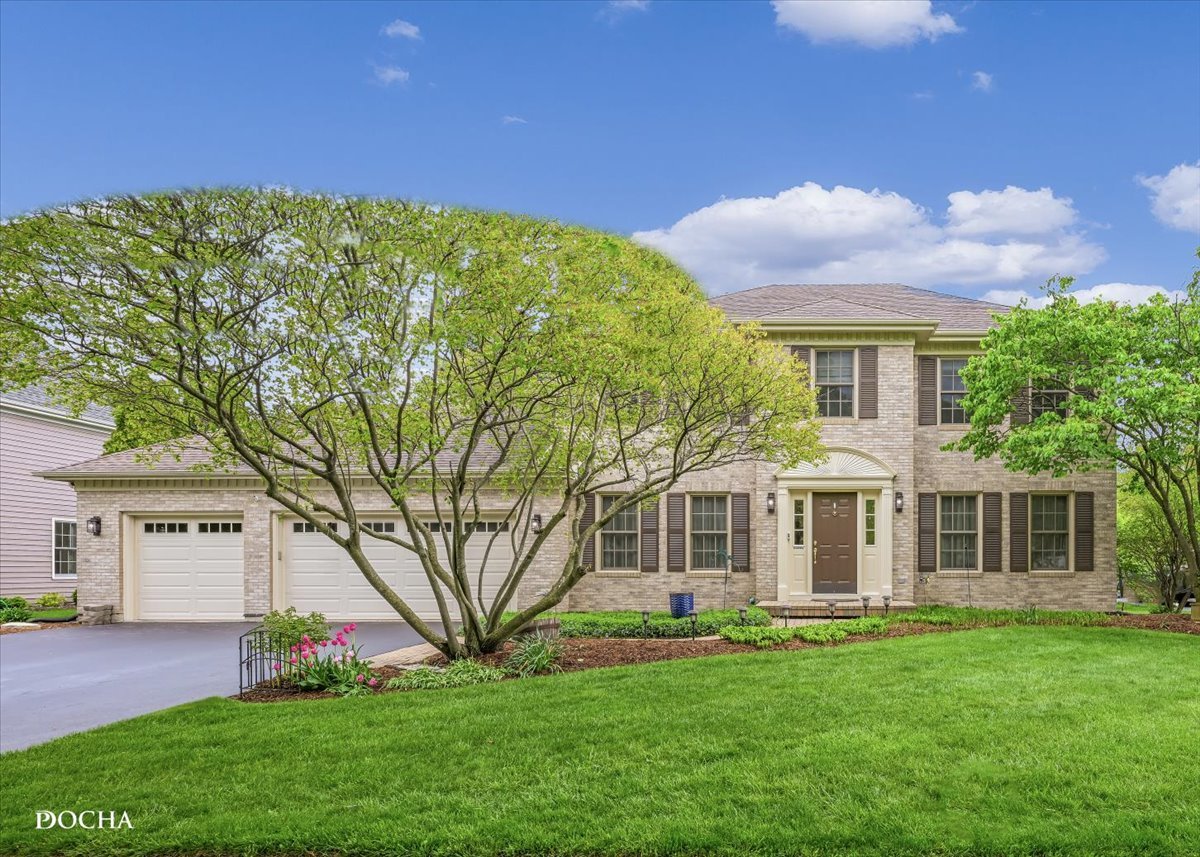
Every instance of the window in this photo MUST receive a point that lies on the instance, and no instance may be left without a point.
(834, 378)
(306, 527)
(959, 531)
(619, 538)
(477, 527)
(222, 527)
(869, 523)
(710, 532)
(164, 527)
(798, 523)
(381, 526)
(64, 549)
(1048, 400)
(1048, 532)
(951, 391)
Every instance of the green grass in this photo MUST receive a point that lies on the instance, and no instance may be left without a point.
(996, 741)
(59, 613)
(1137, 608)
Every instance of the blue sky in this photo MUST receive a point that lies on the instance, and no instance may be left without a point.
(974, 148)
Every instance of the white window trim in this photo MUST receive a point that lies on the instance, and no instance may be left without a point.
(687, 542)
(961, 572)
(940, 392)
(636, 571)
(54, 575)
(1053, 572)
(812, 380)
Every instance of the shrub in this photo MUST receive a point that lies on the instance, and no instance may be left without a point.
(628, 623)
(288, 628)
(755, 635)
(13, 601)
(831, 632)
(330, 665)
(873, 625)
(75, 596)
(15, 613)
(975, 617)
(51, 601)
(456, 674)
(535, 654)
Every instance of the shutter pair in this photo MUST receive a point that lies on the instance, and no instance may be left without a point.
(1018, 532)
(868, 377)
(739, 512)
(648, 547)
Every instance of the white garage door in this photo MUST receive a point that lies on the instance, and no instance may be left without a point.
(319, 575)
(190, 569)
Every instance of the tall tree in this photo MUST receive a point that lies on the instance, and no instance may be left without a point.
(1110, 384)
(1148, 553)
(456, 361)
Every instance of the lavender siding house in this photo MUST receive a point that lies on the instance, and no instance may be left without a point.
(37, 517)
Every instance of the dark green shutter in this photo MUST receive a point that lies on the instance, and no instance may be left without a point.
(739, 505)
(1018, 531)
(926, 533)
(588, 557)
(1085, 507)
(676, 518)
(992, 537)
(649, 555)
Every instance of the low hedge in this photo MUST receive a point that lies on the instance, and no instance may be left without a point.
(824, 632)
(977, 617)
(628, 623)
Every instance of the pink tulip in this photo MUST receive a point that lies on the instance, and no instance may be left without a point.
(351, 626)
(373, 682)
(277, 667)
(359, 678)
(347, 629)
(292, 659)
(324, 643)
(306, 639)
(294, 648)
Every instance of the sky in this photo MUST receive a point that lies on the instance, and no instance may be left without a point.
(973, 148)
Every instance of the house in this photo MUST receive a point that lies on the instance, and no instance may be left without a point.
(888, 514)
(38, 519)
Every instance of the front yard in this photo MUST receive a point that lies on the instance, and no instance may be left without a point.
(994, 741)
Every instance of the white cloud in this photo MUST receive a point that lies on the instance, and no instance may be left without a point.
(1126, 293)
(400, 29)
(513, 120)
(922, 95)
(1175, 197)
(981, 81)
(845, 234)
(1012, 211)
(615, 10)
(873, 23)
(390, 74)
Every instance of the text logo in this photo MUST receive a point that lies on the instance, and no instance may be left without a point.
(89, 819)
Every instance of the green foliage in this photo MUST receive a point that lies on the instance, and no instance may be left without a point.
(823, 632)
(975, 617)
(13, 601)
(870, 625)
(755, 635)
(15, 613)
(50, 601)
(1149, 556)
(459, 673)
(287, 628)
(533, 654)
(826, 632)
(628, 623)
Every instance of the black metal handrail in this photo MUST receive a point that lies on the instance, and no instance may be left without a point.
(263, 662)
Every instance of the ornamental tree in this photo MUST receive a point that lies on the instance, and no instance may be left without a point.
(1128, 382)
(456, 361)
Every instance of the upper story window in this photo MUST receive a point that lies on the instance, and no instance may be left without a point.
(710, 532)
(64, 548)
(951, 391)
(1049, 532)
(833, 375)
(619, 538)
(1048, 399)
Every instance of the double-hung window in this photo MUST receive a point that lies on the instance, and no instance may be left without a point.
(710, 532)
(833, 375)
(64, 548)
(959, 529)
(1048, 399)
(1049, 532)
(951, 391)
(619, 538)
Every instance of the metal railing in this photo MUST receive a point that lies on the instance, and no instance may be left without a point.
(263, 662)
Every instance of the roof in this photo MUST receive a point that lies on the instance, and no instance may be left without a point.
(868, 302)
(35, 400)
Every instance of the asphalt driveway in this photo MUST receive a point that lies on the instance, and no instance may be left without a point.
(62, 680)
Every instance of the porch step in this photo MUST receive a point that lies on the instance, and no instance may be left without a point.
(818, 608)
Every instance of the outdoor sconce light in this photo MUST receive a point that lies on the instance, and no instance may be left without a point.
(832, 605)
(770, 502)
(741, 615)
(645, 623)
(537, 524)
(887, 602)
(787, 614)
(93, 525)
(692, 616)
(866, 600)
(899, 501)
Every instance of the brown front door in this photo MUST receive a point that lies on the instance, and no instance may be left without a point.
(835, 543)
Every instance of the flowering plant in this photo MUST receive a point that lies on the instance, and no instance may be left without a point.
(332, 665)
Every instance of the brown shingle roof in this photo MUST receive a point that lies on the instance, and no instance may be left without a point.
(858, 302)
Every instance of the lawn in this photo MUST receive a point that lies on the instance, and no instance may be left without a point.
(58, 613)
(995, 741)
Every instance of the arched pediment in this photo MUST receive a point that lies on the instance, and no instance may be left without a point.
(841, 464)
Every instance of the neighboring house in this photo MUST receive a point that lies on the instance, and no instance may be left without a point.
(887, 514)
(38, 520)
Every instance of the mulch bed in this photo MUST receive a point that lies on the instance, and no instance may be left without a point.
(585, 653)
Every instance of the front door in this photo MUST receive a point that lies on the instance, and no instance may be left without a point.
(835, 543)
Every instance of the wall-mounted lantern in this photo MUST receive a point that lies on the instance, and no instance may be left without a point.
(770, 502)
(537, 524)
(899, 501)
(93, 525)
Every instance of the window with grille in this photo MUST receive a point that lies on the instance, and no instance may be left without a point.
(306, 527)
(1049, 532)
(869, 520)
(710, 532)
(165, 527)
(951, 391)
(959, 532)
(221, 527)
(619, 538)
(833, 375)
(1048, 399)
(380, 526)
(798, 522)
(64, 549)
